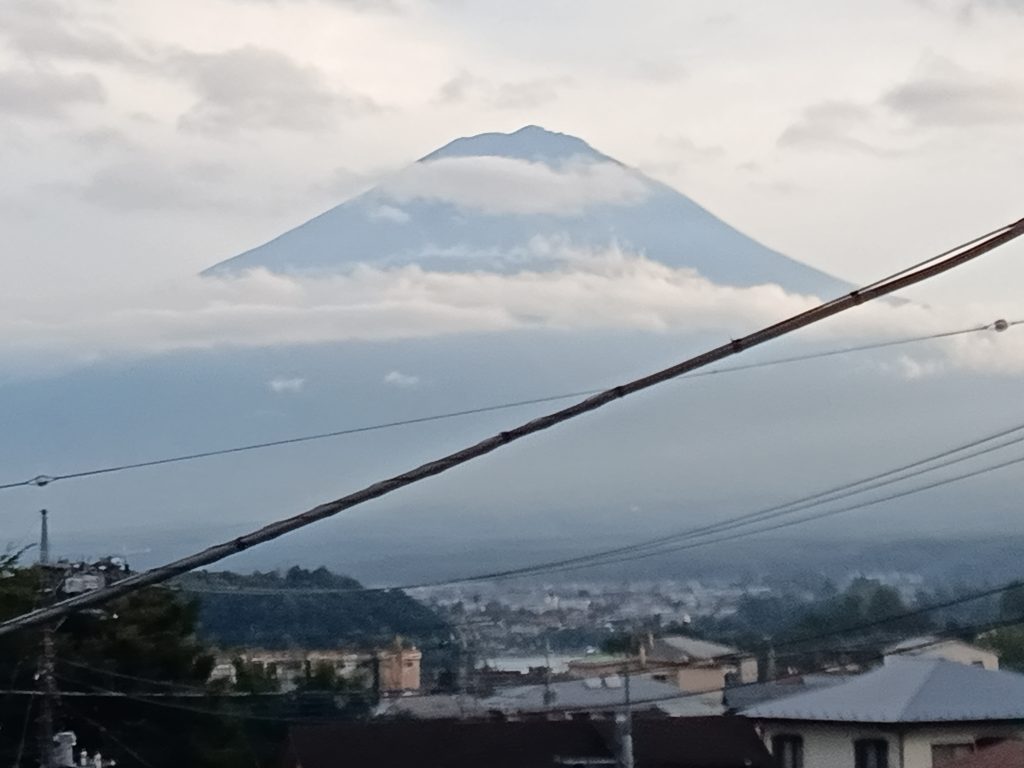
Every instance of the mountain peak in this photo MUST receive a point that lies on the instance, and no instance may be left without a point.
(531, 142)
(486, 216)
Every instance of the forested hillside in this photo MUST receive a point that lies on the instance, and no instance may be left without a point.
(312, 609)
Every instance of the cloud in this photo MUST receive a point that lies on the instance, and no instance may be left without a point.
(44, 30)
(830, 125)
(945, 95)
(389, 213)
(967, 11)
(529, 94)
(286, 386)
(380, 6)
(590, 290)
(658, 71)
(402, 380)
(148, 184)
(497, 185)
(47, 94)
(1017, 6)
(255, 88)
(685, 154)
(513, 94)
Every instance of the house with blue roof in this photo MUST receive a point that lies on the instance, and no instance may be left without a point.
(909, 713)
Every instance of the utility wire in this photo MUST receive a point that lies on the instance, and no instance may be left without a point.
(24, 728)
(443, 464)
(118, 742)
(937, 639)
(845, 490)
(182, 687)
(45, 480)
(814, 517)
(659, 545)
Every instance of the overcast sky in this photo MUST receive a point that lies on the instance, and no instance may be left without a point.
(142, 141)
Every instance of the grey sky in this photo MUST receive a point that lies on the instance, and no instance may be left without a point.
(143, 141)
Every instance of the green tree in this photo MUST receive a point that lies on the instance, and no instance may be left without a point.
(142, 645)
(251, 677)
(1008, 642)
(1011, 602)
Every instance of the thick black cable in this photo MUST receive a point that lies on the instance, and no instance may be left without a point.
(488, 445)
(654, 547)
(932, 259)
(629, 552)
(44, 480)
(804, 502)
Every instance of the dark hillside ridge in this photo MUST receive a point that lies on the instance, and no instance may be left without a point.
(302, 608)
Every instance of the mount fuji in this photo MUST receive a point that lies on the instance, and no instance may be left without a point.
(483, 203)
(523, 227)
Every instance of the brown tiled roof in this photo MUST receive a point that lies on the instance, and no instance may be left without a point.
(1006, 754)
(690, 742)
(443, 744)
(698, 742)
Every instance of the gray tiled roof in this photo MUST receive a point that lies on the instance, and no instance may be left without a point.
(750, 694)
(689, 648)
(594, 693)
(908, 691)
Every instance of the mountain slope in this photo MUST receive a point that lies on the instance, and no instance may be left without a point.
(273, 610)
(495, 202)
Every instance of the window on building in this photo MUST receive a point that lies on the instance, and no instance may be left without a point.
(871, 753)
(788, 750)
(944, 753)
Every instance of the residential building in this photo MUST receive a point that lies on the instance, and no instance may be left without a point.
(701, 665)
(290, 667)
(692, 665)
(910, 713)
(602, 665)
(601, 693)
(739, 697)
(950, 649)
(562, 700)
(1003, 754)
(398, 668)
(714, 742)
(391, 670)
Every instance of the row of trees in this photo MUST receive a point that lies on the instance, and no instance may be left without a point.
(134, 679)
(787, 619)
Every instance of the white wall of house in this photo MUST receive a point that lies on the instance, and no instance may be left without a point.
(748, 670)
(831, 745)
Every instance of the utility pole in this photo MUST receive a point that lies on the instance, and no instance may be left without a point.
(624, 727)
(549, 695)
(47, 661)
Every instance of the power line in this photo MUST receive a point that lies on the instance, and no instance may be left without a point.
(118, 742)
(836, 493)
(817, 516)
(44, 480)
(183, 687)
(158, 699)
(443, 464)
(937, 638)
(656, 546)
